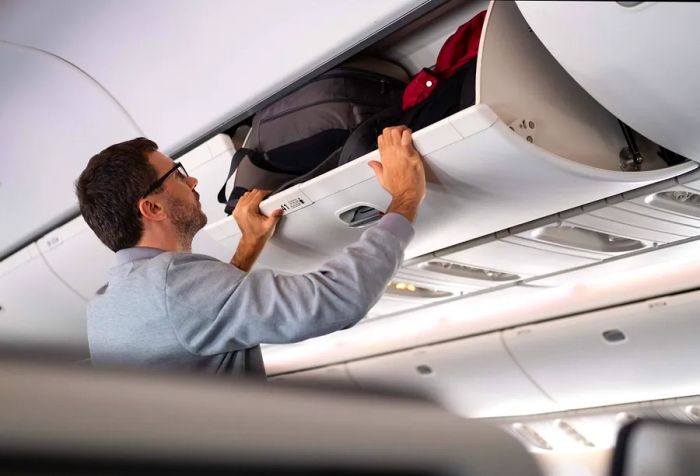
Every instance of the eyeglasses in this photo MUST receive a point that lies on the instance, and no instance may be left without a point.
(154, 186)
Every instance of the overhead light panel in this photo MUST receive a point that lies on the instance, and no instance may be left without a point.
(585, 239)
(464, 271)
(406, 289)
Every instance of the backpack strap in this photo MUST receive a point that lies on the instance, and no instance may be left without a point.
(236, 194)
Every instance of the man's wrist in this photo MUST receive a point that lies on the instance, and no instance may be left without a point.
(247, 252)
(405, 204)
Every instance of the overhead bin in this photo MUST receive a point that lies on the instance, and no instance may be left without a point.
(642, 351)
(474, 377)
(36, 308)
(634, 57)
(482, 175)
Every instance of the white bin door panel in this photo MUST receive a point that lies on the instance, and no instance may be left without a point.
(573, 362)
(638, 61)
(37, 308)
(473, 377)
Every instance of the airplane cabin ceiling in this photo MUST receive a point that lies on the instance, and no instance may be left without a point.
(80, 75)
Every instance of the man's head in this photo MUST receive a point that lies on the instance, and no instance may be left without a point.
(113, 198)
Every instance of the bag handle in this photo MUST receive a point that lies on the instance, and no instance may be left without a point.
(235, 162)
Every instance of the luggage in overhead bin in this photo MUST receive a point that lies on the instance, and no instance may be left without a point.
(432, 95)
(295, 134)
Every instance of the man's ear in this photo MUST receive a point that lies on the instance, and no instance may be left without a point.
(152, 209)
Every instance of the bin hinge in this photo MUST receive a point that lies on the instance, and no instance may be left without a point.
(630, 158)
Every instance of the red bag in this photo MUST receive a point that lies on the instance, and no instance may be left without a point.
(459, 48)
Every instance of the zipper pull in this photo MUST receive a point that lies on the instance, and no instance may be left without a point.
(382, 89)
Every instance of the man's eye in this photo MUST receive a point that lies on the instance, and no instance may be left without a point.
(181, 175)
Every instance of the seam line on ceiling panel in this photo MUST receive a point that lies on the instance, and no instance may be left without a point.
(522, 369)
(86, 74)
(63, 281)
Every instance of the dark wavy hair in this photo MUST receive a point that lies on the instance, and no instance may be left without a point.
(110, 187)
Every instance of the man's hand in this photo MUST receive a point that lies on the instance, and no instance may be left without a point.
(401, 171)
(255, 228)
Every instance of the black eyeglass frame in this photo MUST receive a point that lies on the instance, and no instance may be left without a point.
(155, 185)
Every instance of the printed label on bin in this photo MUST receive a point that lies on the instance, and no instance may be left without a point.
(288, 202)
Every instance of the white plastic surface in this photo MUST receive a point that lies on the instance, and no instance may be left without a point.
(638, 62)
(638, 264)
(517, 257)
(640, 207)
(335, 375)
(646, 236)
(37, 309)
(419, 274)
(666, 225)
(572, 362)
(78, 257)
(190, 62)
(473, 377)
(54, 118)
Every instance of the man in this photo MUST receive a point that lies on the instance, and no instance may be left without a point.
(166, 307)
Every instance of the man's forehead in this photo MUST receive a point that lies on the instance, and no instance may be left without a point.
(160, 161)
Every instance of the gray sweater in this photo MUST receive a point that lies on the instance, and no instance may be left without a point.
(192, 312)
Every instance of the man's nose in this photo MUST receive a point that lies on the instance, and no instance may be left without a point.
(192, 182)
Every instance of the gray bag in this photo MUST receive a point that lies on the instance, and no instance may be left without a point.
(295, 134)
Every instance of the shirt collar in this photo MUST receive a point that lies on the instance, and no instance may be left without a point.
(127, 255)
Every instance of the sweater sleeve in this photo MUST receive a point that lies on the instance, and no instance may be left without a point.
(214, 307)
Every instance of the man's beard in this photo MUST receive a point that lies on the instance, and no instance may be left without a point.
(187, 218)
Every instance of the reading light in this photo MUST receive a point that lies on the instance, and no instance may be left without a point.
(403, 289)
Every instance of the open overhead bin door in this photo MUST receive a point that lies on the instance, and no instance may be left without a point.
(636, 58)
(483, 175)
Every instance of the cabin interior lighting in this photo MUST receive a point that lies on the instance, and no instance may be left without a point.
(406, 289)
